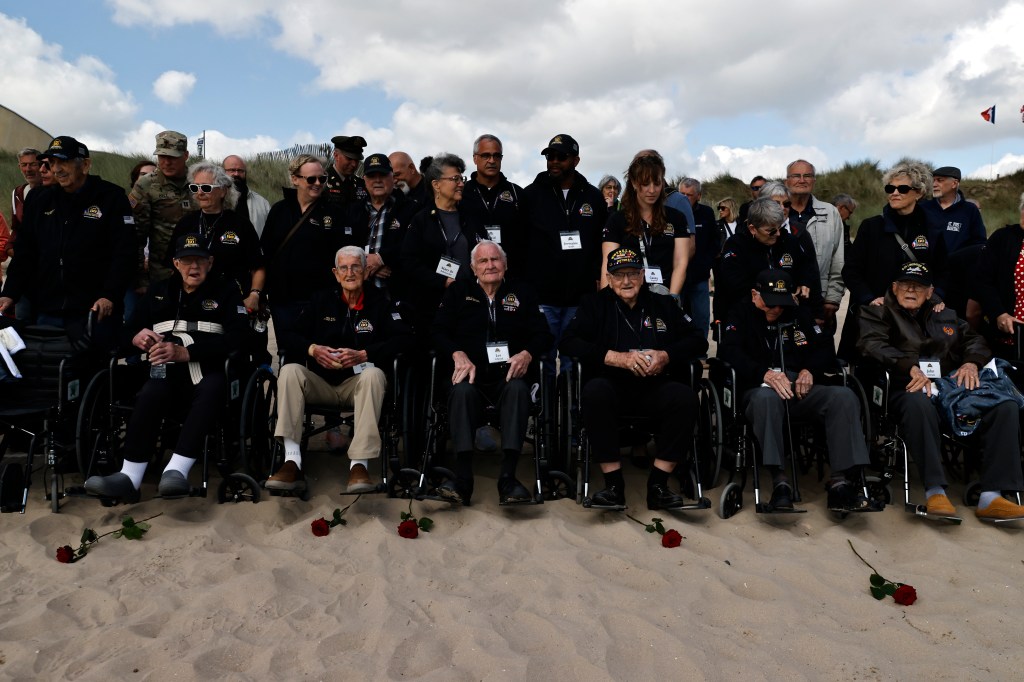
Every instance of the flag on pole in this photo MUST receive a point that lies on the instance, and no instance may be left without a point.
(990, 114)
(1022, 114)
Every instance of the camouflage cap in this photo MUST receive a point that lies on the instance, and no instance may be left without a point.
(171, 143)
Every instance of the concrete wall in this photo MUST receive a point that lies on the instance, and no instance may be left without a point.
(17, 133)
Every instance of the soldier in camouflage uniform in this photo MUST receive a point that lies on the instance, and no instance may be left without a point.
(343, 185)
(159, 200)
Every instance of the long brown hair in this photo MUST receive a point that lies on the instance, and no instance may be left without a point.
(644, 170)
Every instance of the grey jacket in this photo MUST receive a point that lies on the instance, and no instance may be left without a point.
(826, 230)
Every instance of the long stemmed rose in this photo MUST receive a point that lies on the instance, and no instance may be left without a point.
(410, 526)
(669, 538)
(130, 530)
(322, 526)
(881, 587)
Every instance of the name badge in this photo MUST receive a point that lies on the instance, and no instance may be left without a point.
(570, 240)
(652, 275)
(930, 367)
(493, 233)
(497, 352)
(358, 369)
(447, 267)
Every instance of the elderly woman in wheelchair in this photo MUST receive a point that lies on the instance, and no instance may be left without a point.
(187, 325)
(917, 344)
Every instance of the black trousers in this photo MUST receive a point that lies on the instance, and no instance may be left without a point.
(670, 406)
(201, 407)
(466, 405)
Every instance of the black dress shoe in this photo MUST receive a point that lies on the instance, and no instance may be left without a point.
(782, 496)
(661, 497)
(609, 497)
(511, 491)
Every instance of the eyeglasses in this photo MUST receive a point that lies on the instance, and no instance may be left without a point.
(801, 176)
(770, 231)
(756, 188)
(557, 156)
(625, 274)
(457, 179)
(902, 189)
(205, 188)
(491, 157)
(189, 261)
(911, 286)
(230, 171)
(313, 179)
(344, 269)
(722, 208)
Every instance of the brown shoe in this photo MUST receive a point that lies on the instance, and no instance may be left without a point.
(939, 505)
(288, 477)
(359, 480)
(1000, 509)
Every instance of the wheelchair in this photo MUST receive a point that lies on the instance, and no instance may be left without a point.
(107, 407)
(704, 459)
(40, 409)
(263, 454)
(421, 483)
(804, 442)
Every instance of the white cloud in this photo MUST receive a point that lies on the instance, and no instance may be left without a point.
(1007, 165)
(744, 163)
(62, 97)
(142, 140)
(174, 86)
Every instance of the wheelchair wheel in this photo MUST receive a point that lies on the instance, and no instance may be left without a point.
(99, 438)
(878, 490)
(256, 430)
(238, 488)
(731, 500)
(709, 434)
(972, 494)
(558, 486)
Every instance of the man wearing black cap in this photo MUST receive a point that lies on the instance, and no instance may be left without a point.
(565, 219)
(384, 218)
(956, 219)
(343, 185)
(758, 335)
(187, 325)
(916, 343)
(634, 346)
(76, 246)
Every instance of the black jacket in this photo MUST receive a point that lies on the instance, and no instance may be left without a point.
(743, 257)
(502, 206)
(708, 245)
(377, 328)
(463, 323)
(563, 276)
(661, 250)
(341, 190)
(303, 265)
(232, 241)
(751, 345)
(994, 284)
(74, 249)
(600, 325)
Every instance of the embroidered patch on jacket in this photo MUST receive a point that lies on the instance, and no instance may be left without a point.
(363, 327)
(949, 331)
(586, 211)
(210, 304)
(93, 212)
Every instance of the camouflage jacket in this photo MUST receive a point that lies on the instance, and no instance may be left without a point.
(158, 204)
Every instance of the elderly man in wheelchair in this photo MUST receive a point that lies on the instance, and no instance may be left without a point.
(780, 357)
(187, 325)
(351, 333)
(918, 341)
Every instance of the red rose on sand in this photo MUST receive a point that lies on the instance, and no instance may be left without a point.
(65, 554)
(671, 538)
(408, 529)
(320, 527)
(905, 594)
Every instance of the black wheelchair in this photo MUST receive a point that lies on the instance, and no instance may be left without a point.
(263, 454)
(107, 406)
(421, 482)
(703, 458)
(38, 411)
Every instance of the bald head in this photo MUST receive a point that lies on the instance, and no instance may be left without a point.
(405, 169)
(234, 166)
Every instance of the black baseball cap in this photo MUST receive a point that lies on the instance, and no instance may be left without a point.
(624, 258)
(915, 272)
(775, 287)
(377, 163)
(65, 148)
(191, 244)
(562, 143)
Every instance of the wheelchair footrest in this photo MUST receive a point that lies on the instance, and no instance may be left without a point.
(702, 503)
(589, 504)
(523, 503)
(765, 508)
(922, 510)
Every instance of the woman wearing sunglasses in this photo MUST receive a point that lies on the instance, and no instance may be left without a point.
(229, 236)
(900, 234)
(303, 232)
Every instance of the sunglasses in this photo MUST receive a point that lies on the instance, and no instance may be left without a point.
(490, 157)
(722, 208)
(557, 156)
(902, 189)
(205, 188)
(313, 179)
(770, 231)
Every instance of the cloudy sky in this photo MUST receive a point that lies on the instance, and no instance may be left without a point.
(721, 86)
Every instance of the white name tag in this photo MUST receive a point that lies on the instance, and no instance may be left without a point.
(931, 368)
(358, 369)
(497, 352)
(447, 267)
(652, 275)
(570, 241)
(493, 233)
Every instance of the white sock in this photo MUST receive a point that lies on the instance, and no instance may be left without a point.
(986, 498)
(936, 490)
(364, 462)
(134, 471)
(292, 452)
(179, 463)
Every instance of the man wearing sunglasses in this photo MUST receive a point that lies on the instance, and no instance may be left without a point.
(343, 185)
(159, 200)
(756, 184)
(491, 202)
